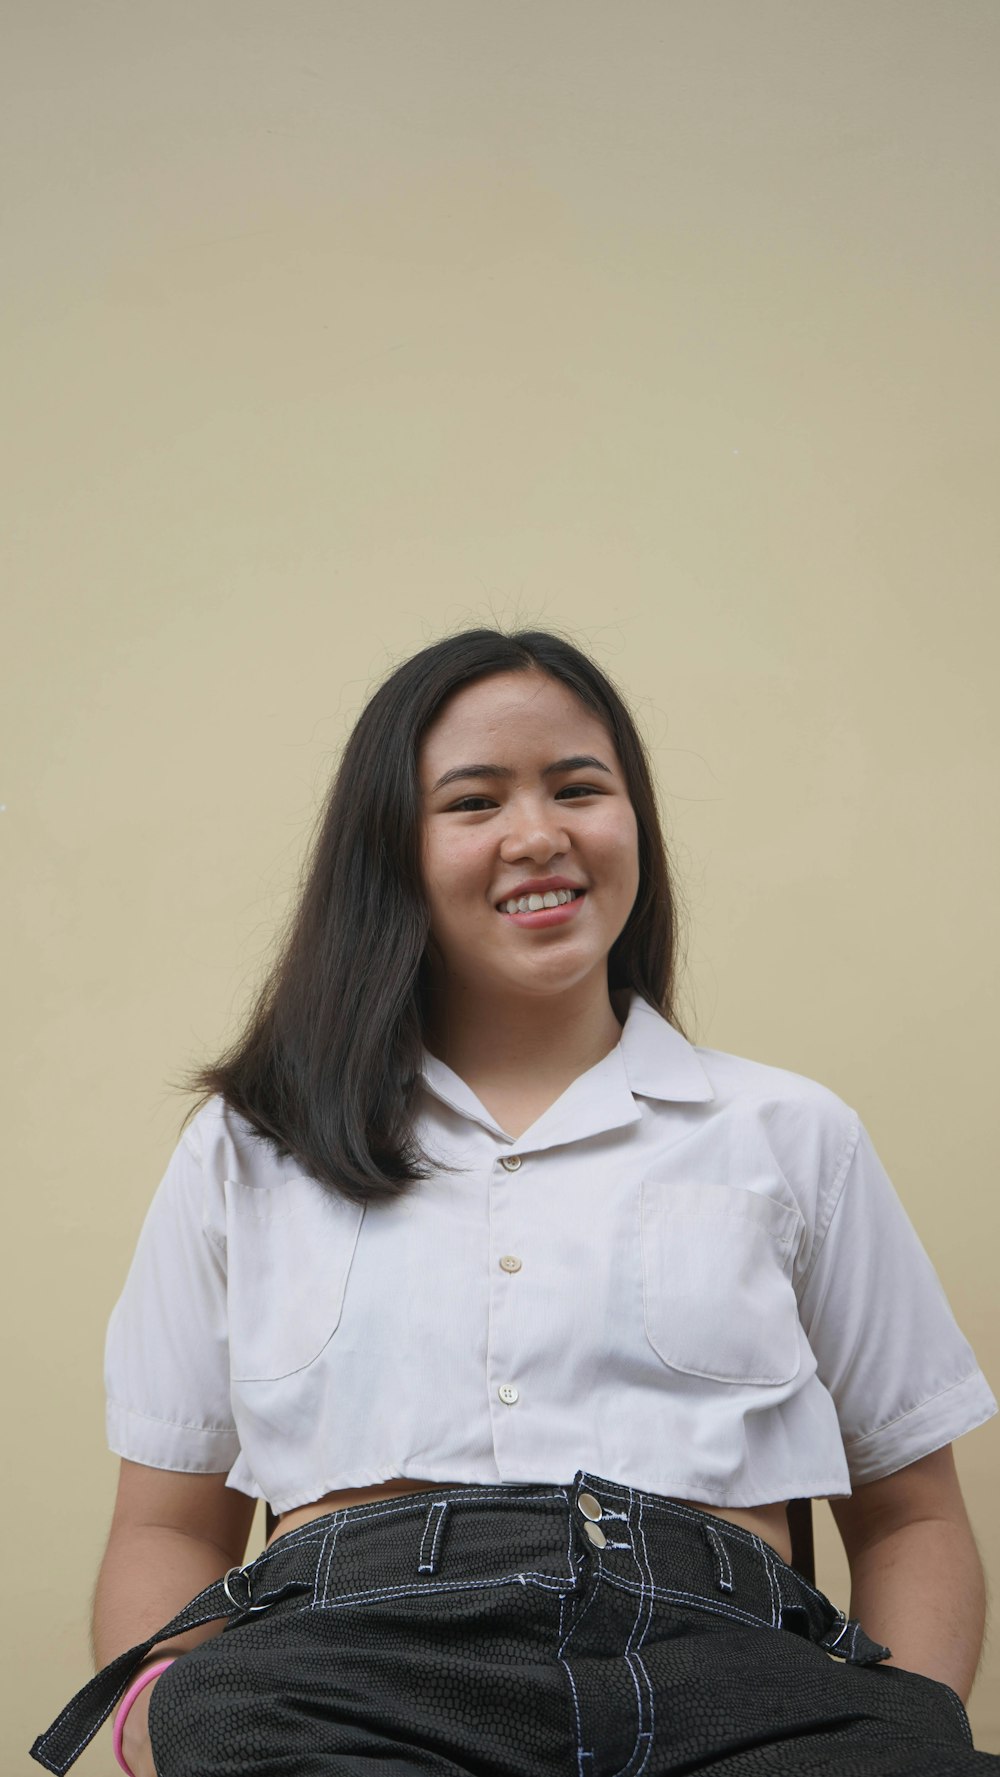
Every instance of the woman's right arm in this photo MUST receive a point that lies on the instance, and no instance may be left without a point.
(171, 1535)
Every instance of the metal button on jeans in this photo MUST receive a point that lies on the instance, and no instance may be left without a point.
(595, 1533)
(589, 1506)
(511, 1162)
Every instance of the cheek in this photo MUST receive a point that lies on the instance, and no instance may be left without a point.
(622, 849)
(627, 881)
(454, 874)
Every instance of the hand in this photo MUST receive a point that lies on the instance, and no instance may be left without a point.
(136, 1749)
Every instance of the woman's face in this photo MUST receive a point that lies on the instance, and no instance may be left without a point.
(523, 795)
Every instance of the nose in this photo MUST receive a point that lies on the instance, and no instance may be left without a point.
(534, 830)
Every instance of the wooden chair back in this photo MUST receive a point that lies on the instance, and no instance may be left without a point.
(800, 1525)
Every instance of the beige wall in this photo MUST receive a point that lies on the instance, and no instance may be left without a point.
(333, 326)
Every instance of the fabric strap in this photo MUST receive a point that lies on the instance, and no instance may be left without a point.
(77, 1724)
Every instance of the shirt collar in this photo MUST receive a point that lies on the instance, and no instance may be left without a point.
(659, 1062)
(651, 1060)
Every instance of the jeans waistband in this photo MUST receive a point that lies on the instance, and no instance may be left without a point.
(636, 1540)
(554, 1536)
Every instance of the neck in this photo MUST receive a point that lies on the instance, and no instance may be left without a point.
(493, 1038)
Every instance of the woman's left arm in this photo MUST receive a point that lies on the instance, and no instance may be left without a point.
(916, 1579)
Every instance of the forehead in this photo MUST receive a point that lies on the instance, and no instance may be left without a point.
(508, 715)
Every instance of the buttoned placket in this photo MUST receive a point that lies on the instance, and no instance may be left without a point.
(506, 1277)
(599, 1101)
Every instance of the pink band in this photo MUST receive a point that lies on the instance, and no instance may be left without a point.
(146, 1676)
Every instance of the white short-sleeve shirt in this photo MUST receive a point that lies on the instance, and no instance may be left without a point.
(691, 1274)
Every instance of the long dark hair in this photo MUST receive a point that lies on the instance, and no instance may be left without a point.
(327, 1065)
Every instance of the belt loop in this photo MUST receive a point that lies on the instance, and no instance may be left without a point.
(324, 1561)
(430, 1541)
(723, 1566)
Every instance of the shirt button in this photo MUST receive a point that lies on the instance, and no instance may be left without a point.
(507, 1393)
(510, 1263)
(511, 1162)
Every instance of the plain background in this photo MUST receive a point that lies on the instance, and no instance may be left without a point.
(332, 327)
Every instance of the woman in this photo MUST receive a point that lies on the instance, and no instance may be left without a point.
(526, 1317)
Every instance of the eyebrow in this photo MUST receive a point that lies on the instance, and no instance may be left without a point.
(579, 762)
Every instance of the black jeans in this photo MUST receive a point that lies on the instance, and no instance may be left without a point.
(582, 1631)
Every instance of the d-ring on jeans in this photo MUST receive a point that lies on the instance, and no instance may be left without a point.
(589, 1630)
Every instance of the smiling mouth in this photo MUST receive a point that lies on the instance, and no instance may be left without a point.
(539, 903)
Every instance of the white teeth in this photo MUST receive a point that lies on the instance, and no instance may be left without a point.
(535, 903)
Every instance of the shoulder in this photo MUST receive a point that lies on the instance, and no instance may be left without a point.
(229, 1149)
(737, 1078)
(810, 1130)
(743, 1109)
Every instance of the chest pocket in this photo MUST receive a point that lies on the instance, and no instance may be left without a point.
(717, 1294)
(290, 1250)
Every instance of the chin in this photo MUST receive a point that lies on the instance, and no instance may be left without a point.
(542, 982)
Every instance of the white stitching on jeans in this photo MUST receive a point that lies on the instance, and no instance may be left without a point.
(764, 1553)
(696, 1601)
(318, 1530)
(628, 1657)
(343, 1600)
(325, 1562)
(569, 1541)
(579, 1619)
(645, 1734)
(319, 1565)
(670, 1509)
(580, 1754)
(724, 1576)
(427, 1559)
(648, 1590)
(408, 1502)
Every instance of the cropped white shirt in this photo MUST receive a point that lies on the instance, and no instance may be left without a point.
(691, 1274)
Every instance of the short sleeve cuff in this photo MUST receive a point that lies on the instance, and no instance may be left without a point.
(187, 1449)
(939, 1421)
